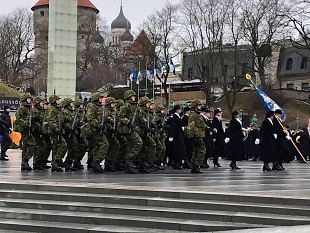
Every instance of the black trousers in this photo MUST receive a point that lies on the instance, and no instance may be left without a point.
(6, 144)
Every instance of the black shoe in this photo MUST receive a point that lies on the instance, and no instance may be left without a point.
(4, 159)
(25, 167)
(177, 167)
(89, 166)
(144, 168)
(196, 170)
(266, 167)
(56, 167)
(205, 165)
(276, 167)
(217, 165)
(187, 165)
(78, 166)
(69, 168)
(46, 166)
(97, 168)
(38, 167)
(281, 166)
(61, 164)
(120, 166)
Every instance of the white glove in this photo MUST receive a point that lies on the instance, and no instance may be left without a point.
(275, 136)
(214, 140)
(215, 130)
(297, 139)
(170, 139)
(288, 137)
(257, 141)
(210, 133)
(227, 140)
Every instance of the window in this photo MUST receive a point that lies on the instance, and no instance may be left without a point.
(305, 87)
(289, 64)
(290, 86)
(304, 63)
(42, 13)
(190, 73)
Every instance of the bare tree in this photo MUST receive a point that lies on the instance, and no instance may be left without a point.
(161, 28)
(263, 20)
(16, 45)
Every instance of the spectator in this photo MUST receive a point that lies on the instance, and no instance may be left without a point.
(6, 127)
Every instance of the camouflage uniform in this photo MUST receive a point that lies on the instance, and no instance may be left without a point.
(23, 125)
(81, 146)
(46, 138)
(120, 163)
(38, 115)
(145, 130)
(98, 143)
(196, 130)
(114, 145)
(160, 134)
(127, 128)
(56, 131)
(69, 126)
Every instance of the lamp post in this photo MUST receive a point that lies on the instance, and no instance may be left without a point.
(297, 121)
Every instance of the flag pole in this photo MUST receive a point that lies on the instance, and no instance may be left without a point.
(146, 78)
(161, 91)
(248, 77)
(139, 81)
(154, 73)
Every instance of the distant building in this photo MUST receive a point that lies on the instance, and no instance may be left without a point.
(87, 23)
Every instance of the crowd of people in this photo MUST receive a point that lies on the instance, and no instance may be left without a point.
(139, 136)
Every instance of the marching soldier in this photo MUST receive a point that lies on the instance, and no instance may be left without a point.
(70, 131)
(145, 125)
(23, 125)
(98, 143)
(196, 130)
(160, 134)
(81, 147)
(46, 137)
(56, 131)
(128, 129)
(38, 114)
(114, 145)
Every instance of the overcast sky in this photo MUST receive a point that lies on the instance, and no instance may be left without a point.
(135, 10)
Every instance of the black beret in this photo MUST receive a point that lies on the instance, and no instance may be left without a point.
(216, 111)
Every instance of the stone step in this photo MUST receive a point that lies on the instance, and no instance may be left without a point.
(31, 226)
(121, 220)
(152, 211)
(157, 202)
(93, 189)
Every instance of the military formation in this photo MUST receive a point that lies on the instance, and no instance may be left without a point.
(138, 136)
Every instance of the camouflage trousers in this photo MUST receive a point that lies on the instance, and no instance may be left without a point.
(122, 151)
(81, 148)
(114, 148)
(47, 148)
(134, 145)
(160, 149)
(98, 148)
(148, 151)
(59, 147)
(199, 151)
(28, 147)
(71, 149)
(39, 144)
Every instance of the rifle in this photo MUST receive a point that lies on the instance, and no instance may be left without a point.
(114, 124)
(30, 120)
(103, 119)
(148, 123)
(73, 123)
(60, 125)
(134, 118)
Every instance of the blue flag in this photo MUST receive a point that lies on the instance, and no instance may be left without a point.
(269, 104)
(133, 74)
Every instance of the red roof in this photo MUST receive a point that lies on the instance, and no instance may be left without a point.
(81, 3)
(142, 45)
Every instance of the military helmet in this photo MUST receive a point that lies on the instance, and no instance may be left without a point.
(110, 100)
(66, 102)
(95, 96)
(37, 100)
(195, 104)
(159, 108)
(78, 102)
(25, 96)
(128, 94)
(144, 100)
(53, 99)
(120, 102)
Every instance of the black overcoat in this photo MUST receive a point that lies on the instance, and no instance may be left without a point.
(268, 142)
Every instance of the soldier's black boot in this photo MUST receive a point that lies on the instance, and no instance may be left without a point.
(109, 166)
(78, 166)
(143, 168)
(25, 167)
(281, 166)
(56, 167)
(97, 168)
(69, 168)
(266, 167)
(129, 168)
(196, 170)
(119, 166)
(38, 166)
(187, 165)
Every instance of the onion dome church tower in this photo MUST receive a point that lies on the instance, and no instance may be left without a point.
(121, 30)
